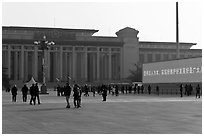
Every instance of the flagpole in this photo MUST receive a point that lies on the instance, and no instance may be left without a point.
(177, 32)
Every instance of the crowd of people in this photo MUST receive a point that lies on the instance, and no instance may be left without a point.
(187, 90)
(103, 90)
(34, 93)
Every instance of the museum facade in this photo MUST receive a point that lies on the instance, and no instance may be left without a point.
(80, 55)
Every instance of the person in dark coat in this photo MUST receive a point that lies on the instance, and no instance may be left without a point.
(79, 99)
(157, 89)
(198, 91)
(138, 89)
(109, 89)
(76, 96)
(149, 89)
(190, 89)
(104, 92)
(123, 89)
(142, 89)
(32, 94)
(14, 93)
(126, 89)
(181, 90)
(186, 90)
(24, 92)
(36, 90)
(67, 92)
(130, 89)
(58, 90)
(86, 90)
(135, 89)
(116, 90)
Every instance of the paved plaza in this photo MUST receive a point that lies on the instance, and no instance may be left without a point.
(125, 114)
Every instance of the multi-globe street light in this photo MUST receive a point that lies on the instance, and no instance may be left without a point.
(44, 45)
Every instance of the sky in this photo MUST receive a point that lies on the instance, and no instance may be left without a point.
(155, 20)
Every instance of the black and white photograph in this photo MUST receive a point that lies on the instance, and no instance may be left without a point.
(102, 67)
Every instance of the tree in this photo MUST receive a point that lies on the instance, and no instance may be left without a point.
(136, 74)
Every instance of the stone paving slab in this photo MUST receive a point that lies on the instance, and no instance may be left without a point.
(126, 114)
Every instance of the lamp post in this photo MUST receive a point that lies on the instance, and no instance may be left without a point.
(44, 45)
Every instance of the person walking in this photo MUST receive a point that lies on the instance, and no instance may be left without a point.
(36, 91)
(76, 96)
(116, 90)
(142, 89)
(181, 90)
(86, 90)
(186, 90)
(149, 89)
(24, 92)
(122, 89)
(67, 92)
(135, 88)
(138, 89)
(104, 92)
(198, 91)
(32, 94)
(14, 93)
(157, 89)
(58, 90)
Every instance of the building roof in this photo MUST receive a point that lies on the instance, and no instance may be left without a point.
(47, 28)
(161, 43)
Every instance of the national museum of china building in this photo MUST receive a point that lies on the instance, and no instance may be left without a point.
(80, 55)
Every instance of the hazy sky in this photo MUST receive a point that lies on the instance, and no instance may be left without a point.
(155, 20)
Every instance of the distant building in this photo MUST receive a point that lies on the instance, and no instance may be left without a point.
(80, 55)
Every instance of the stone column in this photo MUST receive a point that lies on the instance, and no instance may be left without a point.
(22, 63)
(98, 62)
(70, 64)
(48, 65)
(15, 65)
(61, 65)
(85, 64)
(109, 65)
(26, 65)
(121, 63)
(35, 68)
(9, 61)
(94, 66)
(55, 66)
(65, 66)
(73, 63)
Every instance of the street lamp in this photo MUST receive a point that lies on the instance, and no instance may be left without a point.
(44, 45)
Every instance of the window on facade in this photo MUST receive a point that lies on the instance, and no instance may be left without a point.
(141, 58)
(158, 57)
(103, 49)
(15, 47)
(79, 48)
(115, 49)
(166, 56)
(189, 56)
(29, 47)
(149, 57)
(182, 56)
(67, 48)
(91, 49)
(173, 56)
